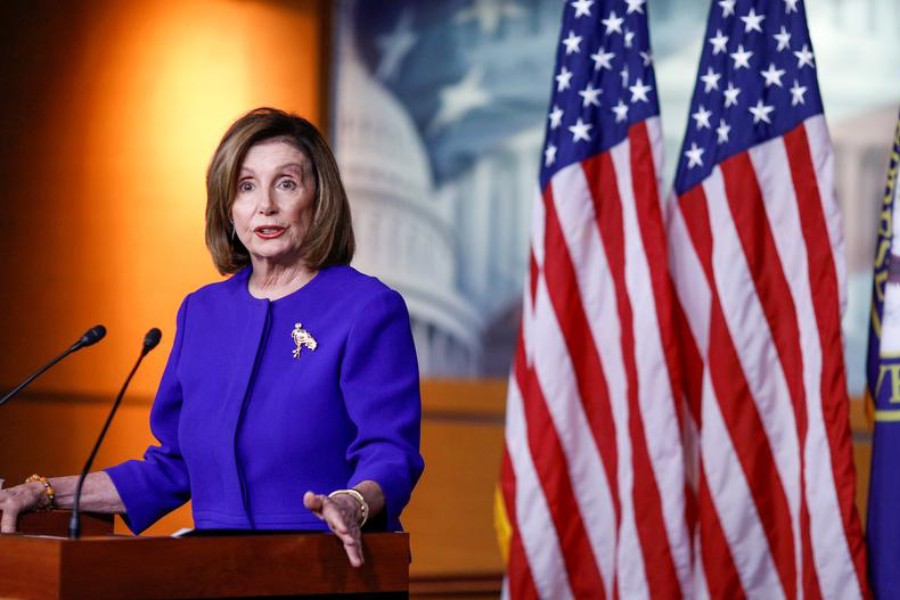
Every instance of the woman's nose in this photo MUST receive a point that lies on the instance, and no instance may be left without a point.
(267, 205)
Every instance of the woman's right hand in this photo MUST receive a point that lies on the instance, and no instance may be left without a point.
(16, 500)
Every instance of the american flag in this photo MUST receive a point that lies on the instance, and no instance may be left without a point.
(592, 482)
(757, 260)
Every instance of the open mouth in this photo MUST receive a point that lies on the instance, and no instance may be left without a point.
(269, 231)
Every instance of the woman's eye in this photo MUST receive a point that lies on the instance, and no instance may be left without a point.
(288, 184)
(245, 186)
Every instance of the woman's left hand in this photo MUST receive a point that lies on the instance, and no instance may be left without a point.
(342, 514)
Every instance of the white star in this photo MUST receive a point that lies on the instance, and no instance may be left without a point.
(694, 156)
(572, 43)
(639, 91)
(752, 21)
(647, 57)
(772, 75)
(629, 38)
(783, 38)
(461, 98)
(580, 131)
(797, 93)
(602, 59)
(731, 94)
(590, 95)
(711, 79)
(621, 110)
(624, 75)
(613, 23)
(727, 7)
(635, 6)
(804, 57)
(790, 6)
(549, 155)
(490, 13)
(761, 112)
(556, 116)
(582, 8)
(702, 118)
(563, 80)
(741, 57)
(718, 42)
(723, 130)
(394, 46)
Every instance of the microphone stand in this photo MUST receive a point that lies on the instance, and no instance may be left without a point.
(150, 342)
(90, 337)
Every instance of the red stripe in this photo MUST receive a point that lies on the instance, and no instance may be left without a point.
(659, 565)
(562, 286)
(749, 215)
(653, 235)
(739, 410)
(823, 282)
(519, 578)
(722, 579)
(553, 472)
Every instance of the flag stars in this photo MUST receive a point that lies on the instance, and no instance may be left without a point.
(590, 96)
(718, 42)
(629, 38)
(550, 155)
(647, 58)
(804, 57)
(639, 91)
(741, 57)
(702, 118)
(790, 6)
(602, 59)
(727, 7)
(572, 43)
(797, 93)
(582, 8)
(635, 6)
(621, 111)
(761, 112)
(731, 94)
(772, 75)
(752, 21)
(694, 156)
(710, 80)
(722, 131)
(556, 116)
(580, 131)
(613, 23)
(624, 74)
(564, 80)
(783, 38)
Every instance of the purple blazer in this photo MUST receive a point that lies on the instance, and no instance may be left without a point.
(245, 428)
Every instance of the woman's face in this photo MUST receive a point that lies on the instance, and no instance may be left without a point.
(273, 203)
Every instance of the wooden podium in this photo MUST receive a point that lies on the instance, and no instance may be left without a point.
(277, 564)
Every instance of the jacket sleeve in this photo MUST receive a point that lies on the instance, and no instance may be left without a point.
(152, 487)
(380, 384)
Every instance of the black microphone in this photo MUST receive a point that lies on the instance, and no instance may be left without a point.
(150, 342)
(90, 337)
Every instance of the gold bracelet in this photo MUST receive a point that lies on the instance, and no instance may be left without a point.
(48, 490)
(363, 505)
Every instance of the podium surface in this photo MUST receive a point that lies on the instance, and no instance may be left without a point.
(228, 566)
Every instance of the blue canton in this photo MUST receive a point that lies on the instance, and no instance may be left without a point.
(603, 81)
(757, 81)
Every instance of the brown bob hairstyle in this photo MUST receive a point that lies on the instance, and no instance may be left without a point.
(329, 240)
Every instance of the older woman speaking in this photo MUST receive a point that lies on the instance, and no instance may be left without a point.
(291, 397)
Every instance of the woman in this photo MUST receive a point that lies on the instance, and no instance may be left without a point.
(297, 373)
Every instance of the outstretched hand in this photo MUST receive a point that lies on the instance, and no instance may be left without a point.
(341, 513)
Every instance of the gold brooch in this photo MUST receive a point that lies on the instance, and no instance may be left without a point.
(302, 338)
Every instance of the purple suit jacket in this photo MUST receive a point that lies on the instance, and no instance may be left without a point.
(245, 428)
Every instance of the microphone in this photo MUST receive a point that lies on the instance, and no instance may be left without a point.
(90, 337)
(151, 340)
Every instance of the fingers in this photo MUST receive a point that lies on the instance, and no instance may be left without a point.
(341, 521)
